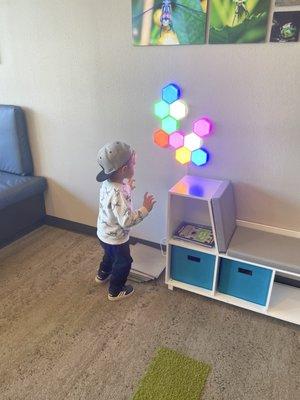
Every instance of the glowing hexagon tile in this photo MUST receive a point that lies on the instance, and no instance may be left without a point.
(192, 141)
(169, 124)
(161, 138)
(176, 139)
(183, 155)
(178, 109)
(202, 126)
(161, 109)
(171, 93)
(199, 157)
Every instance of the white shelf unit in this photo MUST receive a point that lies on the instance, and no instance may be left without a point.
(195, 206)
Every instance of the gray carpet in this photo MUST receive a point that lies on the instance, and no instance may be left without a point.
(60, 338)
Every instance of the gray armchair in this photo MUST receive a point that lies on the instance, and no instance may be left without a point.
(22, 204)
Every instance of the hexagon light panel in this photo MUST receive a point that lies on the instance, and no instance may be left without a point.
(192, 141)
(183, 155)
(202, 126)
(161, 109)
(176, 139)
(199, 157)
(169, 124)
(171, 93)
(161, 138)
(171, 109)
(178, 109)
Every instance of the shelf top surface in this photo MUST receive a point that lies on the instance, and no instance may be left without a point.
(195, 186)
(271, 249)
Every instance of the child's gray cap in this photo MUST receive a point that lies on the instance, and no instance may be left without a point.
(111, 157)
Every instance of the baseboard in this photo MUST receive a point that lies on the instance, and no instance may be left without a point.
(267, 228)
(287, 281)
(90, 230)
(70, 225)
(21, 233)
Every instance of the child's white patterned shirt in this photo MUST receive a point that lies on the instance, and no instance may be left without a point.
(116, 215)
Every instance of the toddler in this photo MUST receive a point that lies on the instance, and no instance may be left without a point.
(116, 216)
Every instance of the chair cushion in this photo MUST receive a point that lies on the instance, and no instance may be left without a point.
(269, 249)
(15, 155)
(15, 188)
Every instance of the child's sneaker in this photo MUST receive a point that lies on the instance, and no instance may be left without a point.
(102, 277)
(127, 291)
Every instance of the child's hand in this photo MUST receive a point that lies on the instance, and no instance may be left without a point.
(131, 183)
(149, 201)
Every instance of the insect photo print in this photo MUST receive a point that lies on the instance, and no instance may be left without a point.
(285, 27)
(238, 21)
(168, 22)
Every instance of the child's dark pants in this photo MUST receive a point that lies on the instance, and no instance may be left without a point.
(117, 262)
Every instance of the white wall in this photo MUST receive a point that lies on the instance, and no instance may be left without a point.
(72, 66)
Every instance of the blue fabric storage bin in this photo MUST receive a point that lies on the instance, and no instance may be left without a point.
(245, 281)
(192, 267)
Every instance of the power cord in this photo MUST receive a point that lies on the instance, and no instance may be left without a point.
(163, 243)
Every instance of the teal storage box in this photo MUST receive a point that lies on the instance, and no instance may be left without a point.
(245, 281)
(192, 267)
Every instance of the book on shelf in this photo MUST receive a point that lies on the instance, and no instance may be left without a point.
(196, 233)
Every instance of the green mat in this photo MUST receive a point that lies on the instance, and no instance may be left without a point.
(172, 376)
